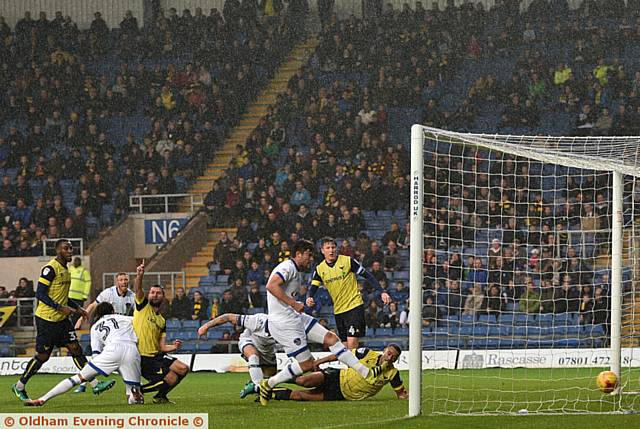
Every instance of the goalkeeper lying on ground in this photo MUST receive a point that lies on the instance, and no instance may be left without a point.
(333, 384)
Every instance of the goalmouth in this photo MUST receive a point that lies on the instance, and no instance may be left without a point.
(555, 170)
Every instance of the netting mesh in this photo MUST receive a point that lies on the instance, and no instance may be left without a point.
(516, 313)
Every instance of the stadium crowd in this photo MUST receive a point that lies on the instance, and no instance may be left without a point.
(174, 86)
(327, 150)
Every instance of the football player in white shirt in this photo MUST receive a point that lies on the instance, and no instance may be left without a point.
(256, 345)
(120, 296)
(114, 346)
(287, 327)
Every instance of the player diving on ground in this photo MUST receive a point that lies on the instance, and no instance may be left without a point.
(332, 384)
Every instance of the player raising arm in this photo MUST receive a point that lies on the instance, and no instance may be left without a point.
(113, 344)
(333, 384)
(337, 273)
(161, 370)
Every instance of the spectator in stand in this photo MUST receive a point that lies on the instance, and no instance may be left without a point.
(495, 252)
(393, 234)
(391, 316)
(7, 250)
(374, 254)
(229, 305)
(450, 299)
(391, 257)
(478, 274)
(496, 303)
(255, 297)
(547, 297)
(239, 292)
(25, 288)
(200, 308)
(601, 308)
(378, 273)
(400, 294)
(475, 300)
(181, 306)
(530, 300)
(373, 315)
(585, 313)
(300, 195)
(429, 312)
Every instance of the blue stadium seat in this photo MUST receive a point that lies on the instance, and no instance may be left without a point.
(384, 332)
(188, 347)
(215, 334)
(191, 324)
(376, 345)
(507, 319)
(487, 318)
(567, 343)
(173, 324)
(204, 346)
(521, 319)
(467, 319)
(401, 332)
(545, 319)
(6, 339)
(466, 330)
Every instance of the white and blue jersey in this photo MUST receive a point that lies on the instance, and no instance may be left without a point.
(114, 347)
(292, 280)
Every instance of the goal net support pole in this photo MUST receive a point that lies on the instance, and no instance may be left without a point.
(616, 274)
(415, 281)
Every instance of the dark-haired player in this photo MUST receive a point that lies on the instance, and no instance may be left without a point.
(161, 370)
(114, 347)
(54, 329)
(287, 326)
(332, 384)
(337, 273)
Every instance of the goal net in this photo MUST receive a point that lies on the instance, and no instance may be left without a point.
(523, 273)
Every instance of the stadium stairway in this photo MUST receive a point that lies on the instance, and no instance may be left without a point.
(299, 55)
(198, 266)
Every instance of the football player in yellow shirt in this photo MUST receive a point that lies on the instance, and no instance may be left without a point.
(337, 273)
(332, 384)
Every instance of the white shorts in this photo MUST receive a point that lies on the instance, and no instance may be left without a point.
(266, 347)
(123, 357)
(292, 333)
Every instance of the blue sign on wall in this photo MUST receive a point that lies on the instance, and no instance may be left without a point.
(159, 231)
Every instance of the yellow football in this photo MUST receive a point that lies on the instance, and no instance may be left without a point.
(607, 381)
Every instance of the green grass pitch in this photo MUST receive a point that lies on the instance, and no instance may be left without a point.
(217, 395)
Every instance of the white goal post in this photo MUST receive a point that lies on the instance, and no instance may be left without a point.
(617, 157)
